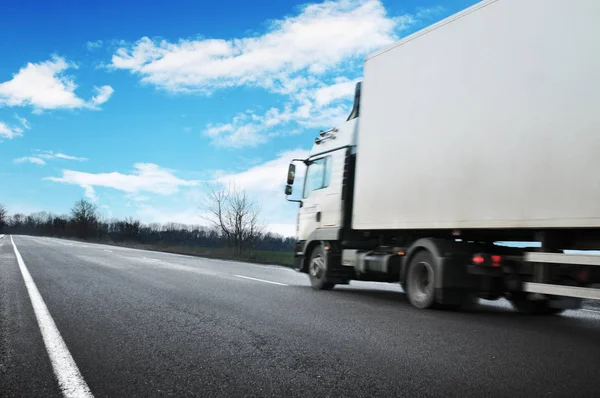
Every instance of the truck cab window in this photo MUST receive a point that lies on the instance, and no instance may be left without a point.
(317, 175)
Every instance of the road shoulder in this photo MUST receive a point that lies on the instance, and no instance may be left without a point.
(25, 369)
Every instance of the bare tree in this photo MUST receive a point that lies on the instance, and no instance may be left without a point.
(235, 215)
(17, 220)
(3, 216)
(84, 217)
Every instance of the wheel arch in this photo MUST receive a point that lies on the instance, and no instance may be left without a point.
(320, 236)
(309, 248)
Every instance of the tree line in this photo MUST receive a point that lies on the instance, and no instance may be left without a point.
(232, 217)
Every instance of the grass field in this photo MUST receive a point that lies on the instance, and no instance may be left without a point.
(263, 257)
(284, 258)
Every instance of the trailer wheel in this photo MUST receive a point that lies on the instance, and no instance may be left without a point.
(533, 307)
(420, 278)
(317, 269)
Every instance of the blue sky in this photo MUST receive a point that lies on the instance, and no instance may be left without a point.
(136, 105)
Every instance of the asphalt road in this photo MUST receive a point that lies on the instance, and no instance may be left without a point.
(142, 324)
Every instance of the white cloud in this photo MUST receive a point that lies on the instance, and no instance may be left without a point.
(90, 193)
(68, 157)
(24, 122)
(343, 89)
(41, 85)
(430, 12)
(103, 94)
(40, 157)
(216, 131)
(45, 86)
(9, 132)
(58, 155)
(321, 37)
(146, 177)
(319, 108)
(306, 57)
(139, 198)
(267, 177)
(93, 45)
(248, 129)
(30, 159)
(235, 136)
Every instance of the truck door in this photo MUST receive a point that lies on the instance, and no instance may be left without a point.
(316, 183)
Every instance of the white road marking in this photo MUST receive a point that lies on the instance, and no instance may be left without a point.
(262, 280)
(1, 236)
(106, 250)
(69, 378)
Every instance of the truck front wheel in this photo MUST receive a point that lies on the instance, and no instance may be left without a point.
(420, 278)
(317, 270)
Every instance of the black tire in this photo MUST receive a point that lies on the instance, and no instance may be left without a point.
(533, 307)
(420, 281)
(317, 270)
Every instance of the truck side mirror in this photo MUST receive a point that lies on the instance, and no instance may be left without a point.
(291, 175)
(288, 189)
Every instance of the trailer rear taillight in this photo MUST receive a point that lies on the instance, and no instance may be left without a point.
(487, 260)
(478, 259)
(496, 261)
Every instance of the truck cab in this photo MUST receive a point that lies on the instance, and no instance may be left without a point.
(326, 178)
(321, 203)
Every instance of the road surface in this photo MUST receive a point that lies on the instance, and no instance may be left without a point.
(140, 324)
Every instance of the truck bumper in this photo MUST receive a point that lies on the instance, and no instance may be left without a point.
(299, 256)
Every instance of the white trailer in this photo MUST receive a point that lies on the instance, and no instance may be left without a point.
(481, 128)
(495, 111)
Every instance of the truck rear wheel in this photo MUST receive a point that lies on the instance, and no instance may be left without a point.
(317, 270)
(420, 278)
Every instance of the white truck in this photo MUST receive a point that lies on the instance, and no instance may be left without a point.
(480, 129)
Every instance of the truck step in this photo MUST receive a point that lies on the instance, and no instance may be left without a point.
(560, 290)
(560, 258)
